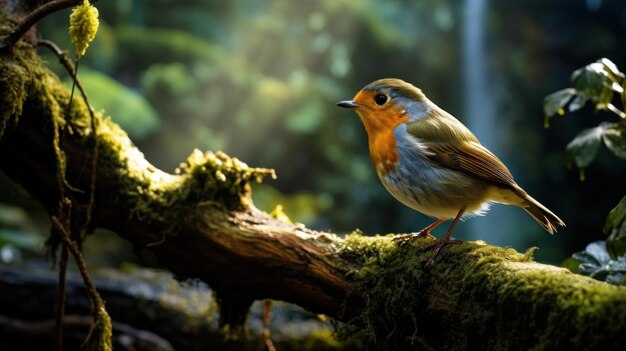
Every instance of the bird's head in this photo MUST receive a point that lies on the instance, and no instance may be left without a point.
(386, 103)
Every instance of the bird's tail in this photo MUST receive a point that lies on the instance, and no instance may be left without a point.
(541, 214)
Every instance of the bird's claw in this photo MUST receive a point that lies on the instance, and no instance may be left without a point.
(406, 239)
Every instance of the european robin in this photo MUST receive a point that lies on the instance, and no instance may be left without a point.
(432, 163)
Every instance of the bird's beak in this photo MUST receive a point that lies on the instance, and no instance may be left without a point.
(347, 104)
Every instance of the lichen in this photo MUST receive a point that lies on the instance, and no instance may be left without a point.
(476, 296)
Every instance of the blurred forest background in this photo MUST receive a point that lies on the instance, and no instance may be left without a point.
(259, 80)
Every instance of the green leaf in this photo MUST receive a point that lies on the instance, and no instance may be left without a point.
(594, 260)
(614, 137)
(604, 98)
(584, 148)
(611, 68)
(578, 102)
(555, 102)
(617, 270)
(597, 250)
(598, 81)
(590, 79)
(615, 228)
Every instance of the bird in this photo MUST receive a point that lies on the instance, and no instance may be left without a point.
(432, 163)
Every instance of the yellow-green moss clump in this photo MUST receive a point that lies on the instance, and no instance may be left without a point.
(213, 179)
(477, 296)
(83, 26)
(205, 179)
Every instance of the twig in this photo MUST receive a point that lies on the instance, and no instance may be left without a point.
(63, 215)
(65, 60)
(34, 17)
(71, 69)
(62, 230)
(60, 303)
(266, 326)
(615, 110)
(100, 333)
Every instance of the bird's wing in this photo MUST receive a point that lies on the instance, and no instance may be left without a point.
(450, 144)
(471, 158)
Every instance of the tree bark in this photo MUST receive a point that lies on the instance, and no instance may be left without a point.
(201, 223)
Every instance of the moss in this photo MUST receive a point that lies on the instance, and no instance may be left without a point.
(322, 339)
(100, 334)
(280, 214)
(83, 26)
(206, 178)
(13, 78)
(477, 296)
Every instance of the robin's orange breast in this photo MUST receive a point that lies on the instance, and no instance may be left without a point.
(384, 152)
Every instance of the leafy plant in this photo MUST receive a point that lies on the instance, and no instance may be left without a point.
(595, 262)
(599, 84)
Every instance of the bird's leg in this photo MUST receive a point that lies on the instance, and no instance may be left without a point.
(444, 241)
(424, 233)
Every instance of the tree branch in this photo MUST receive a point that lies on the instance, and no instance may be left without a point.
(200, 222)
(34, 17)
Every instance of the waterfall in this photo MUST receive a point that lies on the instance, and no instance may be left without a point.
(479, 115)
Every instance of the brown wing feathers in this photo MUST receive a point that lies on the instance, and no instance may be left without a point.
(471, 158)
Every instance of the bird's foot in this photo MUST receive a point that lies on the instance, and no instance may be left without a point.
(406, 239)
(438, 245)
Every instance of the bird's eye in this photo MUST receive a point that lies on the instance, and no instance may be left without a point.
(380, 99)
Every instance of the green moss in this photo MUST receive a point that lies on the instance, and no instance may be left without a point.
(209, 178)
(477, 296)
(100, 333)
(205, 179)
(13, 78)
(321, 339)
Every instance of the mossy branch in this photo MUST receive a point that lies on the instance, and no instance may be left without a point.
(32, 18)
(205, 226)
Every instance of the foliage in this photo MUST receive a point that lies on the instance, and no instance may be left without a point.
(596, 263)
(140, 47)
(615, 229)
(597, 84)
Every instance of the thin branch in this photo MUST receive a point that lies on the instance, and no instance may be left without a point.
(615, 110)
(34, 17)
(60, 303)
(62, 230)
(266, 336)
(66, 62)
